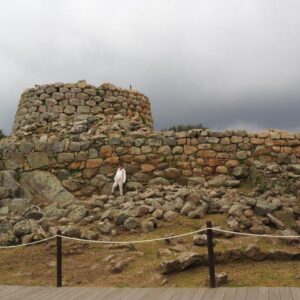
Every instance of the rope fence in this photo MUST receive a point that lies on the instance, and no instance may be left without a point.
(210, 245)
(152, 240)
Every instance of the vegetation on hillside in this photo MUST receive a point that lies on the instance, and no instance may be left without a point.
(185, 127)
(2, 134)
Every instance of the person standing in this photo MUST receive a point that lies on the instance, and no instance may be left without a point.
(119, 179)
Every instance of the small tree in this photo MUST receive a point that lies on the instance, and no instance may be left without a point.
(182, 127)
(2, 134)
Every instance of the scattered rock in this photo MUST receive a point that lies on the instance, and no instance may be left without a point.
(105, 227)
(241, 171)
(275, 221)
(253, 252)
(181, 262)
(131, 223)
(25, 227)
(200, 240)
(221, 279)
(71, 231)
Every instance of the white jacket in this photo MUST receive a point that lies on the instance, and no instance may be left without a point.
(120, 175)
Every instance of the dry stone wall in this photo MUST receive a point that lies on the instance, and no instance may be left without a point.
(56, 107)
(83, 146)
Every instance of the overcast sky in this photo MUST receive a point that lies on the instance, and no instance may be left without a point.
(227, 64)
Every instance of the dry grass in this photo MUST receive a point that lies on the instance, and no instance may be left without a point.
(83, 263)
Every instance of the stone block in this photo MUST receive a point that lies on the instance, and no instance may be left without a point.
(65, 157)
(236, 139)
(189, 149)
(206, 153)
(145, 168)
(257, 141)
(94, 163)
(37, 160)
(14, 160)
(287, 135)
(164, 150)
(69, 109)
(83, 109)
(155, 142)
(177, 150)
(55, 147)
(26, 147)
(106, 151)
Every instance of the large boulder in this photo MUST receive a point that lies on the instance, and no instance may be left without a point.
(45, 185)
(104, 227)
(253, 252)
(77, 213)
(71, 231)
(55, 213)
(19, 205)
(149, 225)
(25, 227)
(33, 212)
(188, 207)
(5, 226)
(121, 217)
(200, 240)
(8, 239)
(11, 187)
(181, 262)
(262, 208)
(134, 186)
(275, 221)
(159, 181)
(130, 223)
(172, 173)
(218, 181)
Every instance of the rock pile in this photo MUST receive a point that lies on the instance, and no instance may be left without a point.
(101, 216)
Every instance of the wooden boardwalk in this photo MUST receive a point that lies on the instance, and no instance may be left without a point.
(68, 293)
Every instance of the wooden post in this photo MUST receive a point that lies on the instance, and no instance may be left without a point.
(211, 257)
(58, 260)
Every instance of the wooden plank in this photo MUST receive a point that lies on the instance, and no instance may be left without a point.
(8, 289)
(22, 293)
(183, 293)
(220, 293)
(251, 293)
(127, 293)
(41, 294)
(159, 293)
(97, 295)
(295, 293)
(262, 293)
(138, 293)
(229, 293)
(115, 294)
(208, 294)
(240, 293)
(273, 293)
(77, 293)
(198, 294)
(285, 293)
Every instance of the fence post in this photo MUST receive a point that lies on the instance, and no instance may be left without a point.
(58, 260)
(211, 257)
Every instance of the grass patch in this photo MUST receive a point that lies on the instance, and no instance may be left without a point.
(84, 264)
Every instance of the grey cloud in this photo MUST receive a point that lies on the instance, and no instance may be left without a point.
(223, 63)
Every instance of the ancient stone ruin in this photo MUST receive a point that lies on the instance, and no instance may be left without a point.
(81, 132)
(57, 169)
